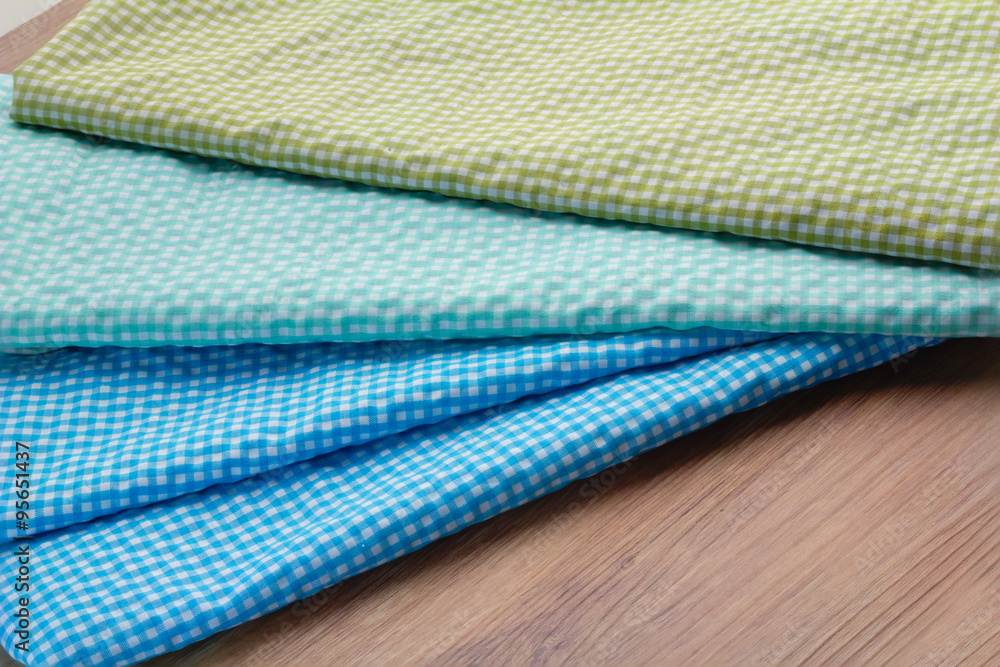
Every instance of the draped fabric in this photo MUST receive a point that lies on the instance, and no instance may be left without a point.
(233, 375)
(201, 549)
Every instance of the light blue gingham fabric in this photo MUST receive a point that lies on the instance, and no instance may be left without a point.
(130, 585)
(173, 420)
(107, 243)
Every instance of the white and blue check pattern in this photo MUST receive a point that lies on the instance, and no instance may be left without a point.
(143, 581)
(173, 420)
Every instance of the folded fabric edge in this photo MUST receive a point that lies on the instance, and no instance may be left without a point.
(77, 82)
(227, 413)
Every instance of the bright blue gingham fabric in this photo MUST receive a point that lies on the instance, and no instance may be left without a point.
(142, 581)
(186, 418)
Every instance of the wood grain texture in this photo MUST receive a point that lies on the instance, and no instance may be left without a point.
(855, 522)
(19, 44)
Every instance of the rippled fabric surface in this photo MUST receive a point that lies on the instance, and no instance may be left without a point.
(114, 244)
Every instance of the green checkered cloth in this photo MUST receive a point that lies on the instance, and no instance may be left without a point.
(861, 125)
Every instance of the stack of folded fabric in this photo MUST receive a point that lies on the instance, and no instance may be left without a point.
(398, 279)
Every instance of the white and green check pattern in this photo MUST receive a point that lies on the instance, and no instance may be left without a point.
(870, 126)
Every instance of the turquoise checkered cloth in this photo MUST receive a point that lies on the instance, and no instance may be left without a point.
(108, 243)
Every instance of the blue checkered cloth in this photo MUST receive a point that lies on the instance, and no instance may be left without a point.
(231, 546)
(173, 420)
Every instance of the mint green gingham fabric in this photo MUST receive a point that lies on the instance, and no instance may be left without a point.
(864, 125)
(106, 243)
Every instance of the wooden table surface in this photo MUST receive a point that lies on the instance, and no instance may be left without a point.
(855, 522)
